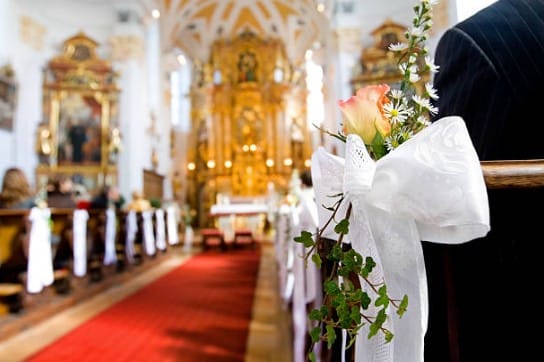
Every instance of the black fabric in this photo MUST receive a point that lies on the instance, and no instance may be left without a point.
(492, 74)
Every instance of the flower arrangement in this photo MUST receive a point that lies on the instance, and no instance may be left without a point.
(187, 215)
(383, 118)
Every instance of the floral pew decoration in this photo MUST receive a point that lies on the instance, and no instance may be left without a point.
(402, 180)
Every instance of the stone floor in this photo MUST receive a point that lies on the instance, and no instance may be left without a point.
(34, 328)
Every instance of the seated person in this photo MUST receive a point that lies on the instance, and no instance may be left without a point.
(16, 192)
(60, 193)
(138, 203)
(108, 196)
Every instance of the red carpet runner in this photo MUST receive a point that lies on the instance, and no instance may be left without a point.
(197, 312)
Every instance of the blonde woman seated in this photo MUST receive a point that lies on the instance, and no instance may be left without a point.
(16, 191)
(139, 203)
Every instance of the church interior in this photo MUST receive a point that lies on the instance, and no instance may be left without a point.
(205, 110)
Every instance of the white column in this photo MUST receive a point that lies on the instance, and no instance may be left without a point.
(129, 60)
(6, 49)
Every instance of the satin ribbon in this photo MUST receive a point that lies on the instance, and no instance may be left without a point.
(430, 188)
(149, 236)
(80, 242)
(161, 229)
(172, 225)
(40, 259)
(110, 256)
(132, 229)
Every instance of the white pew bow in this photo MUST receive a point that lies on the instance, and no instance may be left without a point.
(110, 256)
(430, 188)
(40, 259)
(80, 242)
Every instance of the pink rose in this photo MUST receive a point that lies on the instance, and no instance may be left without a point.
(364, 115)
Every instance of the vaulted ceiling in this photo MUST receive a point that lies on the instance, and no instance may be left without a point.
(193, 25)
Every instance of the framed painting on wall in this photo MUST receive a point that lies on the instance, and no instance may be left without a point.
(80, 117)
(8, 97)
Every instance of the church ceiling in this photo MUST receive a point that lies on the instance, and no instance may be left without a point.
(193, 25)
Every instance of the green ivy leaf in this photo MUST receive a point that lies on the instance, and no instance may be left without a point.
(388, 336)
(335, 254)
(331, 335)
(368, 267)
(343, 271)
(315, 315)
(381, 317)
(373, 329)
(305, 238)
(311, 356)
(342, 227)
(403, 306)
(324, 310)
(331, 287)
(317, 260)
(355, 314)
(382, 301)
(365, 301)
(315, 334)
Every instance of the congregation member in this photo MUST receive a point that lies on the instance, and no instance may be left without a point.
(16, 190)
(60, 194)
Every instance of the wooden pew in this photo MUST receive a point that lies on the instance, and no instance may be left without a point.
(14, 239)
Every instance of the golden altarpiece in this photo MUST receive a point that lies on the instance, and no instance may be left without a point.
(80, 135)
(248, 122)
(377, 63)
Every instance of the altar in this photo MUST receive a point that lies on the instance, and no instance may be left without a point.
(239, 218)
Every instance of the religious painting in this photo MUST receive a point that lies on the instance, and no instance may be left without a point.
(8, 92)
(79, 130)
(247, 67)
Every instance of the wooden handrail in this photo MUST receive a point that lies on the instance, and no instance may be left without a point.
(513, 173)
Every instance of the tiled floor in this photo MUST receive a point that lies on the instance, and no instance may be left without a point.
(269, 330)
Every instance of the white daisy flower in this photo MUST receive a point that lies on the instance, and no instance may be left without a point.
(398, 47)
(433, 68)
(397, 113)
(423, 120)
(416, 31)
(414, 77)
(431, 91)
(396, 94)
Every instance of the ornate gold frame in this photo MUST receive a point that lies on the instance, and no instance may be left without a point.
(80, 116)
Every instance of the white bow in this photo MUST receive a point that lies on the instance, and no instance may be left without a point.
(110, 255)
(430, 188)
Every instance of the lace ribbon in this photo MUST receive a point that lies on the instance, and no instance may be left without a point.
(430, 188)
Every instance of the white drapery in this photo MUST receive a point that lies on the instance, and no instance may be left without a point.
(80, 242)
(160, 229)
(40, 260)
(110, 255)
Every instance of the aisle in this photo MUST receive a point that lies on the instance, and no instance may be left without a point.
(269, 335)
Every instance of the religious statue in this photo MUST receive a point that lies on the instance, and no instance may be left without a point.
(43, 142)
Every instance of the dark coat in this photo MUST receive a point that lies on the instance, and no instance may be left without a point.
(492, 74)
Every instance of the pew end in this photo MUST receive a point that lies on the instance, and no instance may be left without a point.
(11, 298)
